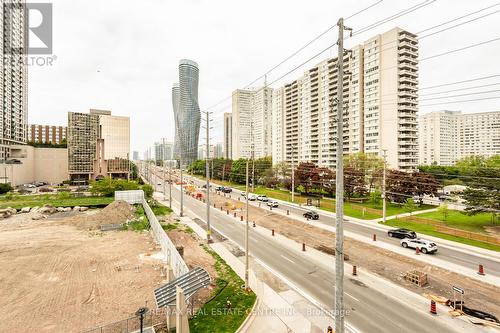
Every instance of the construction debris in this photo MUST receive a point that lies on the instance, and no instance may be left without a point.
(416, 277)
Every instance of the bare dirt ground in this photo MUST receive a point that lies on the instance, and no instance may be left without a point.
(55, 277)
(387, 264)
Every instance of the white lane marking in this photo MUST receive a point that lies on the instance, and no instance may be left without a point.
(354, 298)
(290, 260)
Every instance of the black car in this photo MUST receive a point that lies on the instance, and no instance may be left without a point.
(311, 215)
(219, 188)
(227, 190)
(401, 233)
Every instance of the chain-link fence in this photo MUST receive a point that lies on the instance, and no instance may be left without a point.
(168, 249)
(132, 324)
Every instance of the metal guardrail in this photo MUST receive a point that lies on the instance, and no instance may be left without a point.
(168, 249)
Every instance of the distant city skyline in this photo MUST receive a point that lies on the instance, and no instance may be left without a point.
(136, 89)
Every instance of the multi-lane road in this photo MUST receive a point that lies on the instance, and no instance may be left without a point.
(447, 253)
(369, 309)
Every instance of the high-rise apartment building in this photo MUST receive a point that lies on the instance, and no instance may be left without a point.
(218, 150)
(164, 150)
(135, 155)
(47, 134)
(447, 136)
(228, 135)
(98, 145)
(380, 90)
(251, 123)
(187, 117)
(14, 77)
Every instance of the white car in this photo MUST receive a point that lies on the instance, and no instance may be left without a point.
(424, 245)
(252, 197)
(272, 203)
(262, 198)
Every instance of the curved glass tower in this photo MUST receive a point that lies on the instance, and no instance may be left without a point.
(175, 106)
(188, 112)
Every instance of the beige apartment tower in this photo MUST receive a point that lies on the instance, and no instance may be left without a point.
(228, 135)
(380, 91)
(98, 145)
(251, 123)
(447, 136)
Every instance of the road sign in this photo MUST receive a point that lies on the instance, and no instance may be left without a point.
(458, 290)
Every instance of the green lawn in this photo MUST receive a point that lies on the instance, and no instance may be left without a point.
(327, 204)
(55, 200)
(457, 219)
(214, 315)
(429, 230)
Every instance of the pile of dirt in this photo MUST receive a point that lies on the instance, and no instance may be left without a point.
(117, 212)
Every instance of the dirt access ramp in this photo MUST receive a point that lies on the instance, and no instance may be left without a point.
(386, 264)
(116, 212)
(57, 278)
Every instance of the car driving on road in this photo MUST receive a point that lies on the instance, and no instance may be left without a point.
(401, 233)
(262, 198)
(272, 203)
(312, 215)
(252, 197)
(227, 189)
(424, 245)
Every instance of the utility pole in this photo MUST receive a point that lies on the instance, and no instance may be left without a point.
(163, 181)
(182, 188)
(246, 233)
(339, 196)
(253, 167)
(293, 175)
(170, 187)
(207, 171)
(384, 212)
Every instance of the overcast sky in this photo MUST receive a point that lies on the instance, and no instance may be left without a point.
(123, 55)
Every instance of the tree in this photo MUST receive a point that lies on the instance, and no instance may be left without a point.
(443, 210)
(370, 165)
(399, 185)
(354, 182)
(483, 186)
(4, 188)
(282, 170)
(410, 205)
(148, 190)
(238, 171)
(376, 198)
(304, 175)
(107, 186)
(301, 189)
(425, 184)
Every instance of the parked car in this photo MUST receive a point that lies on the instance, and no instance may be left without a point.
(262, 198)
(272, 203)
(252, 197)
(312, 215)
(401, 233)
(424, 245)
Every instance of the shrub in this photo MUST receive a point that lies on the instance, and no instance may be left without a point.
(4, 188)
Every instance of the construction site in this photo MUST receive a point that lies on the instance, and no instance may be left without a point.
(61, 273)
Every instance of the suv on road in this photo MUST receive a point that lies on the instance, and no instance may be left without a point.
(272, 203)
(262, 198)
(424, 245)
(401, 233)
(312, 215)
